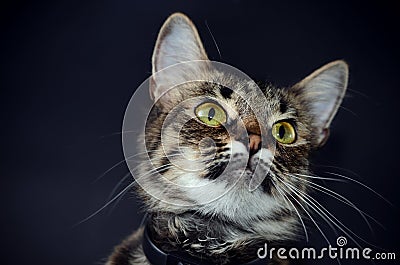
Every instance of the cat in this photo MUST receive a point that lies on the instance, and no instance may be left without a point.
(247, 145)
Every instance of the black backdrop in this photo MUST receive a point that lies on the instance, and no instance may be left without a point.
(68, 69)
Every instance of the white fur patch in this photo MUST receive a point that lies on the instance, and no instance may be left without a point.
(231, 198)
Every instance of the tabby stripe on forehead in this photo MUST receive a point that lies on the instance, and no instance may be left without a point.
(283, 106)
(226, 92)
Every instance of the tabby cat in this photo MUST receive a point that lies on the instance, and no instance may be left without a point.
(224, 156)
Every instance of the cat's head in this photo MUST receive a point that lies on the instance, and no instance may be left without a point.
(222, 145)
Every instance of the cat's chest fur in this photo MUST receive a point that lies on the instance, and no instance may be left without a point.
(205, 241)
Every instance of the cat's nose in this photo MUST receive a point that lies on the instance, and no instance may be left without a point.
(254, 143)
(253, 130)
(250, 136)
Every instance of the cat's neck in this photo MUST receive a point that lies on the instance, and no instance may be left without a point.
(221, 242)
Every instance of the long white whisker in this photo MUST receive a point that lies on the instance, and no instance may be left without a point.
(305, 210)
(301, 197)
(118, 185)
(153, 171)
(118, 133)
(119, 194)
(294, 207)
(362, 184)
(127, 175)
(342, 199)
(318, 208)
(215, 42)
(106, 204)
(313, 208)
(324, 211)
(128, 158)
(321, 178)
(116, 165)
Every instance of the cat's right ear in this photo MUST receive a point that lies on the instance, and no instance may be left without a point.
(177, 42)
(322, 92)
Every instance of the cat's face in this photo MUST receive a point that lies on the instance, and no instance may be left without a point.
(225, 146)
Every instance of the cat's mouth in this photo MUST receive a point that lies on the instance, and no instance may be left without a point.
(251, 167)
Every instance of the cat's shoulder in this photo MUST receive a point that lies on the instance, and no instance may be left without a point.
(130, 251)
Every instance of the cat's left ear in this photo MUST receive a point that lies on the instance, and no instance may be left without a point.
(323, 92)
(178, 42)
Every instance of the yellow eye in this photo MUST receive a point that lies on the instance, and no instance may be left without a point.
(211, 114)
(284, 132)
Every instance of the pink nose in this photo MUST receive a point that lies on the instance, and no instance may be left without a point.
(254, 142)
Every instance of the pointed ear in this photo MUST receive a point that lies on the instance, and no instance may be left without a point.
(177, 42)
(323, 92)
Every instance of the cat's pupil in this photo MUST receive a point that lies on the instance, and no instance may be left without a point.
(281, 132)
(211, 114)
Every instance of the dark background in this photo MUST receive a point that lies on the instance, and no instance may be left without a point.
(69, 68)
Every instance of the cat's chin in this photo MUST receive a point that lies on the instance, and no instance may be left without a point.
(234, 187)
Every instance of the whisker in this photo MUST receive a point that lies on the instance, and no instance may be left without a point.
(154, 170)
(318, 177)
(122, 195)
(362, 184)
(349, 110)
(119, 194)
(300, 197)
(305, 210)
(212, 36)
(360, 93)
(105, 205)
(318, 209)
(116, 165)
(128, 158)
(117, 202)
(324, 211)
(117, 133)
(118, 185)
(294, 207)
(342, 199)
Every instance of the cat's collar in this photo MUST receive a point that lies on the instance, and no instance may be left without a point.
(156, 256)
